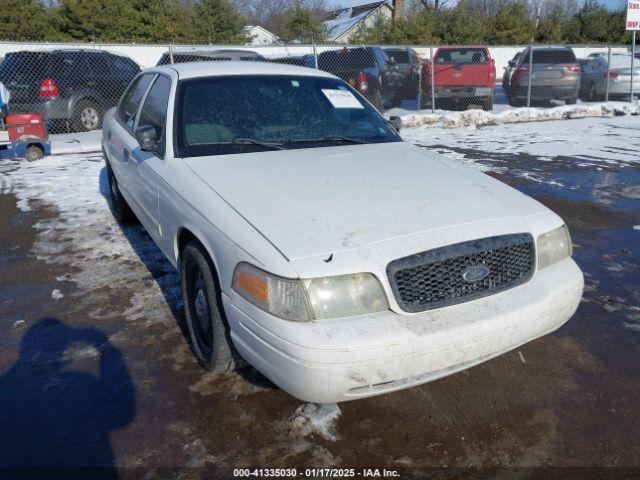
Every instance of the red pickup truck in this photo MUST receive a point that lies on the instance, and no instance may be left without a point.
(462, 76)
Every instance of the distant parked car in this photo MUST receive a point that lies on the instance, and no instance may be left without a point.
(76, 86)
(368, 70)
(509, 69)
(595, 76)
(585, 61)
(462, 76)
(298, 60)
(193, 55)
(409, 66)
(556, 76)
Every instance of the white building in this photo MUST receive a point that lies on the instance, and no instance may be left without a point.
(260, 36)
(342, 24)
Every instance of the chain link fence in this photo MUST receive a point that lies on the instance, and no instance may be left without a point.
(72, 85)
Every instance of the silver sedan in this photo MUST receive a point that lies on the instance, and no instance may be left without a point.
(597, 73)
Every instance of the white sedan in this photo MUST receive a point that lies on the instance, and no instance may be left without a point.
(315, 244)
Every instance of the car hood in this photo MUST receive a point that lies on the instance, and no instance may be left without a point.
(318, 201)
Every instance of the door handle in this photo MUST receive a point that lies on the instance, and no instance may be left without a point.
(126, 154)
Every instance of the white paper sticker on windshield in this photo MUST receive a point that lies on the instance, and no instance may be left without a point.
(342, 98)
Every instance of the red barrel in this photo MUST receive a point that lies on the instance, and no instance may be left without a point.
(21, 126)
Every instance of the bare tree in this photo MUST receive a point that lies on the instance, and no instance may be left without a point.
(434, 4)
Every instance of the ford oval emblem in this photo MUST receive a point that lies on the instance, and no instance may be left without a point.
(475, 273)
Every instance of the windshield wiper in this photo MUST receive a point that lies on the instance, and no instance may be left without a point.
(251, 141)
(329, 138)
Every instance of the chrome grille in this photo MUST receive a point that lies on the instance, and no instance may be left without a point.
(461, 272)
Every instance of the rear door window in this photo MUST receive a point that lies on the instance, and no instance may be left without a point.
(131, 99)
(98, 65)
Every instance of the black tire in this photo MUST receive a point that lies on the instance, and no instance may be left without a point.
(208, 328)
(572, 101)
(487, 104)
(515, 102)
(33, 153)
(121, 210)
(592, 94)
(86, 116)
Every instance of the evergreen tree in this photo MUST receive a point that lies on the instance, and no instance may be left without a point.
(25, 20)
(216, 21)
(510, 25)
(461, 25)
(550, 27)
(304, 26)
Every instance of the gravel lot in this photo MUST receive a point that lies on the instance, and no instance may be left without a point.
(95, 371)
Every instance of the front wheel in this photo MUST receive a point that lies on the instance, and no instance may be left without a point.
(572, 101)
(208, 329)
(121, 210)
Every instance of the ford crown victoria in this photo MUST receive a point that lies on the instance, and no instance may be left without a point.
(316, 245)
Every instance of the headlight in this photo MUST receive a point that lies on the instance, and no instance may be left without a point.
(553, 246)
(345, 295)
(280, 296)
(326, 297)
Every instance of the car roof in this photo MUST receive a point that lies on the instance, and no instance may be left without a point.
(221, 69)
(563, 49)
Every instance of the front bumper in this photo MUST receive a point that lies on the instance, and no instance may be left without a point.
(454, 93)
(348, 358)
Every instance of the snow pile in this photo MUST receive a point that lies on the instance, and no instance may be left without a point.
(592, 142)
(80, 142)
(480, 118)
(315, 418)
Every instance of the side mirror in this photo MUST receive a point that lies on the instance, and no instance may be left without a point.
(146, 136)
(395, 122)
(512, 63)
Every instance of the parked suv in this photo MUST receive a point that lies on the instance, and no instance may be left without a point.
(462, 76)
(75, 86)
(368, 70)
(556, 76)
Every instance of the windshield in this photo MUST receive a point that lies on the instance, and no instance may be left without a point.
(242, 114)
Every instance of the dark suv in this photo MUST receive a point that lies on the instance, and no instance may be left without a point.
(73, 86)
(368, 70)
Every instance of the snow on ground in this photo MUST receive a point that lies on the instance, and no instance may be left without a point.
(314, 418)
(80, 142)
(597, 142)
(86, 239)
(480, 118)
